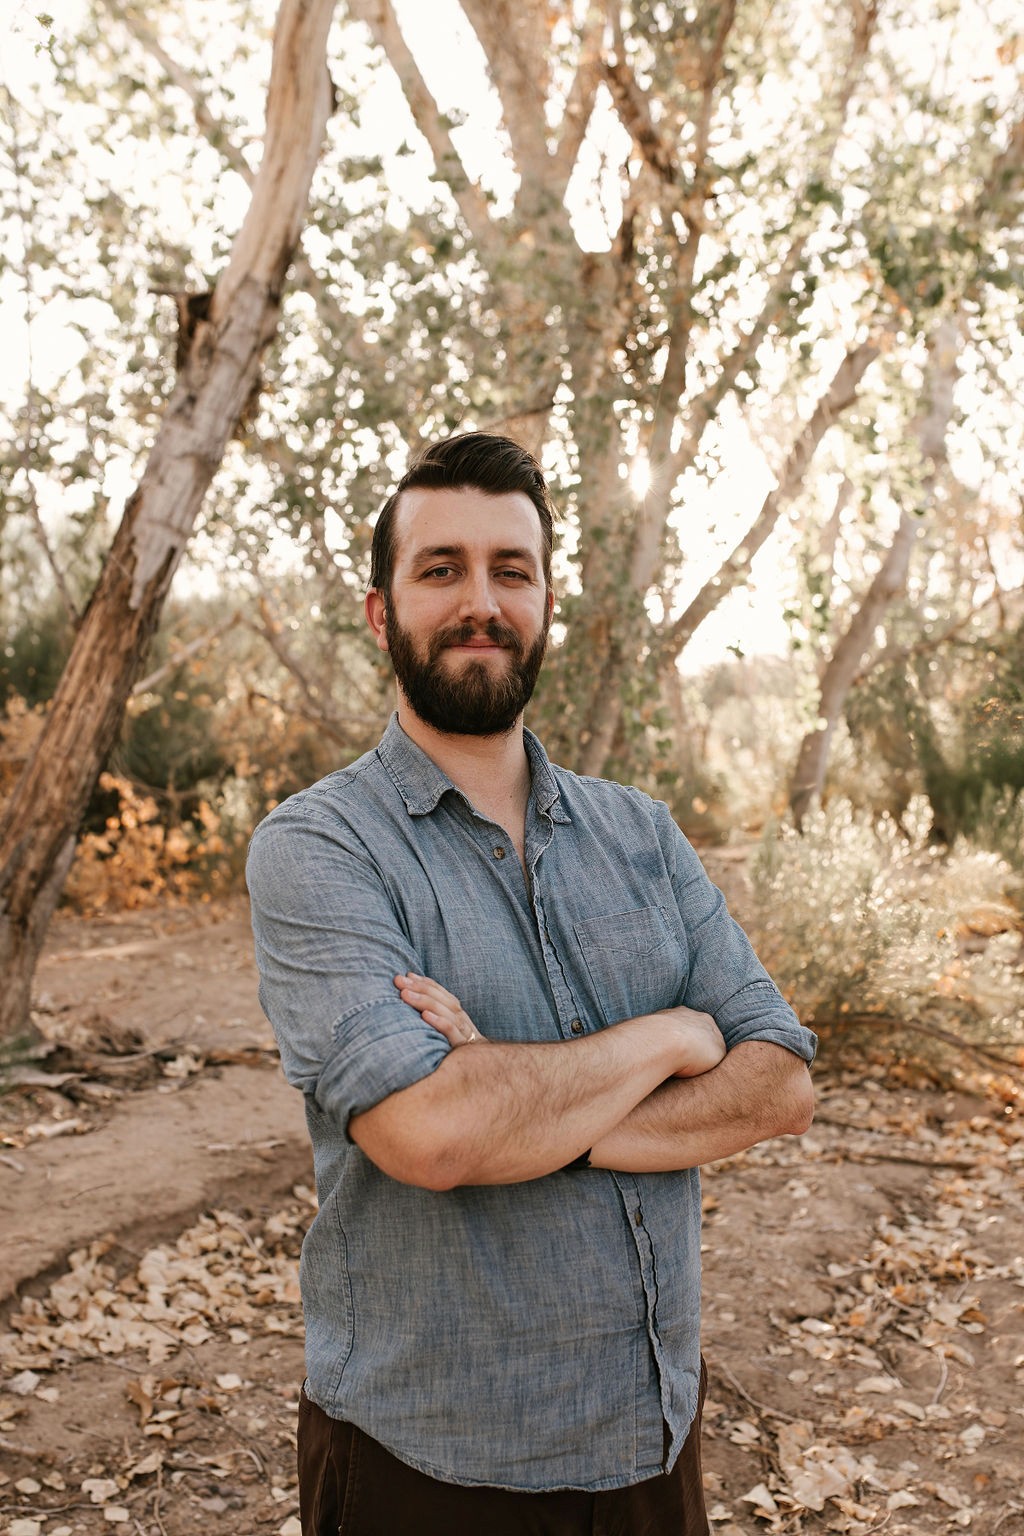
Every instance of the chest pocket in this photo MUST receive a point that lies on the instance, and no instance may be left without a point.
(637, 962)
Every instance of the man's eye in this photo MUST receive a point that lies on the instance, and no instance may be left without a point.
(515, 575)
(439, 571)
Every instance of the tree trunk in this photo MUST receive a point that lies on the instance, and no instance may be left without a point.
(837, 679)
(621, 657)
(220, 372)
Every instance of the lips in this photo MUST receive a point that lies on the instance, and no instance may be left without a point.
(496, 638)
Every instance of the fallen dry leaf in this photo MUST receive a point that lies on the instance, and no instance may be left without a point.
(760, 1497)
(100, 1489)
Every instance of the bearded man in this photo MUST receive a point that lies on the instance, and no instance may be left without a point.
(521, 1017)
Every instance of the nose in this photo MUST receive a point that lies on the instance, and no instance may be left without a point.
(478, 599)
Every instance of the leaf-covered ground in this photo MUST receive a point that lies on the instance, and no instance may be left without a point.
(864, 1297)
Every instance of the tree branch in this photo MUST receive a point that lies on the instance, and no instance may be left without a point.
(838, 397)
(683, 196)
(513, 38)
(894, 653)
(272, 631)
(380, 18)
(650, 530)
(1006, 175)
(335, 726)
(209, 124)
(579, 103)
(982, 1051)
(195, 647)
(706, 405)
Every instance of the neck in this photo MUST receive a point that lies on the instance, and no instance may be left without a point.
(487, 769)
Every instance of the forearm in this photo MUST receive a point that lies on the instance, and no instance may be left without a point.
(757, 1091)
(500, 1114)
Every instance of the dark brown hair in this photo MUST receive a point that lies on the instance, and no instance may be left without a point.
(480, 460)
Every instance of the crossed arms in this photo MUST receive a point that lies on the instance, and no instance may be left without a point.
(648, 1095)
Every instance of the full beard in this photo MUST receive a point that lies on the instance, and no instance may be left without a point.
(478, 699)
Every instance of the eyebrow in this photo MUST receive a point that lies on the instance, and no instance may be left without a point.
(442, 551)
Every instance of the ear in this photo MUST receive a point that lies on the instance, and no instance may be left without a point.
(551, 604)
(375, 611)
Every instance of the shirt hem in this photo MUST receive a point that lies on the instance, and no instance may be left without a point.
(443, 1475)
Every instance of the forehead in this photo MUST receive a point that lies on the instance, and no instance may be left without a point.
(428, 519)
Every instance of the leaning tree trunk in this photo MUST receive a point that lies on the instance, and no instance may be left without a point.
(219, 374)
(837, 678)
(930, 430)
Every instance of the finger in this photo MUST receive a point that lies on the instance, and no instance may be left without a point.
(454, 1031)
(423, 986)
(444, 1026)
(442, 1007)
(438, 1007)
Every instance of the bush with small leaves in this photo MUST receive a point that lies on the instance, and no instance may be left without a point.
(863, 922)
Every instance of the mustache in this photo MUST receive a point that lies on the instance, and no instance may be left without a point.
(461, 634)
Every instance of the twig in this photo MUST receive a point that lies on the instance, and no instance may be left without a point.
(894, 653)
(959, 1163)
(245, 1447)
(194, 648)
(157, 1494)
(770, 1413)
(30, 1452)
(336, 732)
(943, 1376)
(934, 1031)
(51, 1509)
(317, 697)
(212, 127)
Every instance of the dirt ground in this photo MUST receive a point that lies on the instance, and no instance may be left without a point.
(864, 1286)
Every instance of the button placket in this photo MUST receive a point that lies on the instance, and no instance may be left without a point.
(564, 1002)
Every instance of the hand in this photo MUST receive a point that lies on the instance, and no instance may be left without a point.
(438, 1008)
(702, 1041)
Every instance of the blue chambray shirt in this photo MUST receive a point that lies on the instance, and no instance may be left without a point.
(526, 1336)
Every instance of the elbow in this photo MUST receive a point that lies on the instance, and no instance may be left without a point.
(798, 1104)
(408, 1155)
(437, 1171)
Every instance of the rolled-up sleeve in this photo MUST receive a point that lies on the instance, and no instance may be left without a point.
(328, 945)
(726, 979)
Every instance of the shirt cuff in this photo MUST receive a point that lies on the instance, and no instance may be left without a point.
(760, 1012)
(379, 1048)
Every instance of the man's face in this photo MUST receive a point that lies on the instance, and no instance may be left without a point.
(467, 619)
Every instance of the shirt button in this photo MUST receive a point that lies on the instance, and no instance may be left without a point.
(638, 1217)
(499, 852)
(576, 1026)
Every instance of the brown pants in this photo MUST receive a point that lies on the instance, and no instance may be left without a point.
(349, 1485)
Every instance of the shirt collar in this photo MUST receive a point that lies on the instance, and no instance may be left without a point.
(421, 783)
